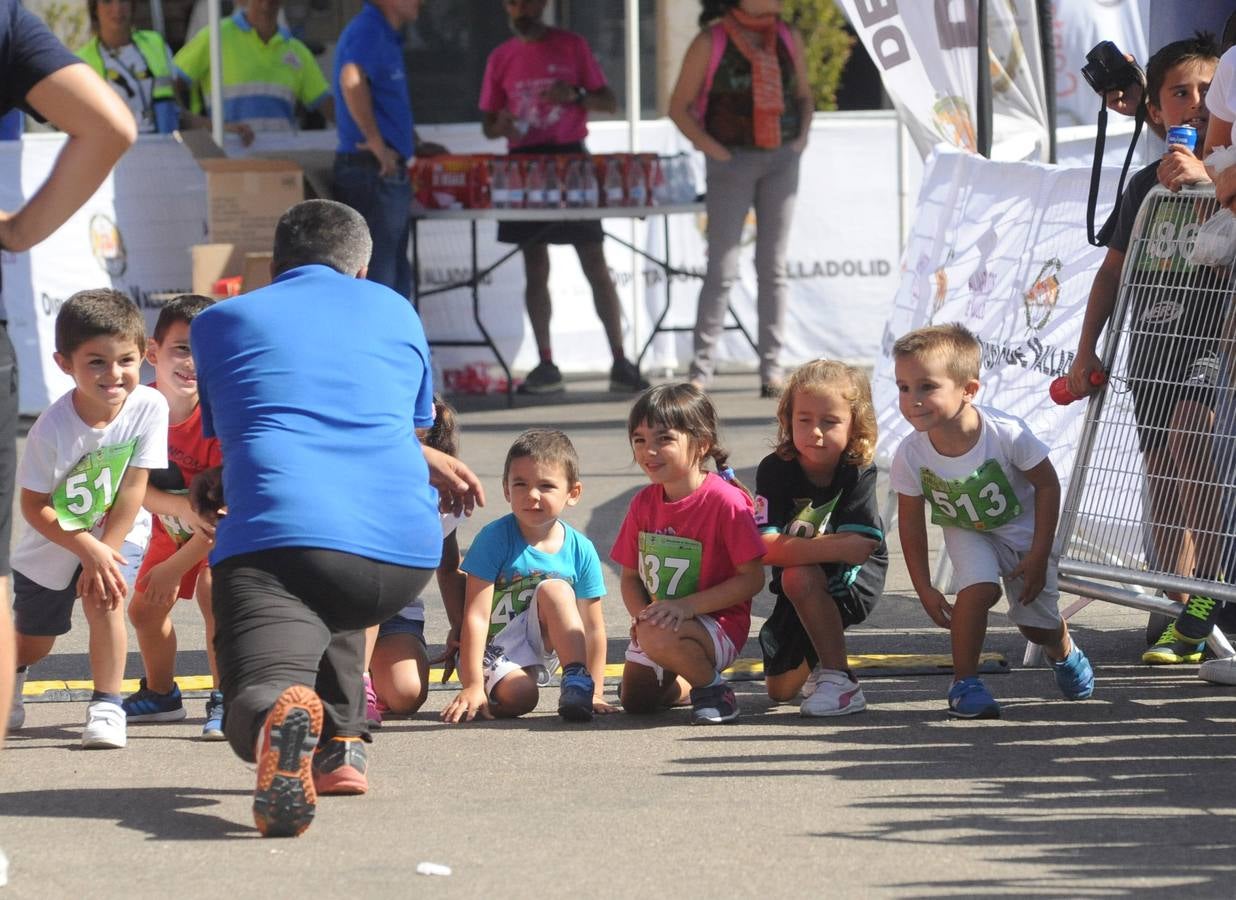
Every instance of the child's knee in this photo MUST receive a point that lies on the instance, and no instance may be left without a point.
(654, 640)
(640, 699)
(984, 595)
(784, 687)
(145, 615)
(555, 599)
(804, 583)
(514, 695)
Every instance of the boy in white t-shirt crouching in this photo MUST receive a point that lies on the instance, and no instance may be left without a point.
(82, 479)
(990, 484)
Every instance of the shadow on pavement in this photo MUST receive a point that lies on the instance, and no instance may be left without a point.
(163, 813)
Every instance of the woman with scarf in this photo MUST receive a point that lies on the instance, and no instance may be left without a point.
(744, 101)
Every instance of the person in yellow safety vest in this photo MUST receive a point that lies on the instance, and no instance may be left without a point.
(137, 64)
(266, 71)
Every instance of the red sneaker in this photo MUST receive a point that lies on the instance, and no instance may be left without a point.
(339, 767)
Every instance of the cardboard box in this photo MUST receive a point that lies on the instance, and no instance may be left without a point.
(246, 197)
(256, 271)
(212, 262)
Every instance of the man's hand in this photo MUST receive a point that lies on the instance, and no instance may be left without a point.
(459, 489)
(388, 159)
(206, 495)
(1127, 99)
(939, 610)
(470, 703)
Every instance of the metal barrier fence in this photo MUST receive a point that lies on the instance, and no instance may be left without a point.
(1150, 514)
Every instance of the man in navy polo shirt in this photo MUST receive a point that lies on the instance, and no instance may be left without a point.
(376, 133)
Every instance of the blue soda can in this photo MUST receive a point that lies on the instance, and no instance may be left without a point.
(1185, 135)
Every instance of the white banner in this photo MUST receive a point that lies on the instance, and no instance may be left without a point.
(1077, 25)
(1001, 248)
(135, 234)
(927, 53)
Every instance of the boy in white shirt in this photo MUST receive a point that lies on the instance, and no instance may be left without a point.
(82, 479)
(990, 484)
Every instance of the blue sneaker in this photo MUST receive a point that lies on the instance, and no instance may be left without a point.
(575, 700)
(151, 706)
(212, 729)
(970, 699)
(1074, 675)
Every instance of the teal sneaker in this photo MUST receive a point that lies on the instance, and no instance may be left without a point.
(970, 699)
(150, 706)
(1074, 675)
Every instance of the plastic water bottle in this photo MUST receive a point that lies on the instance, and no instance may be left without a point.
(592, 192)
(637, 182)
(575, 183)
(499, 196)
(514, 185)
(553, 186)
(534, 185)
(615, 192)
(1062, 396)
(658, 182)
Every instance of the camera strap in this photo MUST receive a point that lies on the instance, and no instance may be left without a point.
(1096, 171)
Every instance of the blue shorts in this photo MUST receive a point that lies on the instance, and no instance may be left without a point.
(398, 624)
(43, 612)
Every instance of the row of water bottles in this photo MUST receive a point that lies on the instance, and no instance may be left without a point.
(583, 182)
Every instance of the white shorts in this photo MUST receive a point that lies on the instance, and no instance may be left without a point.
(519, 645)
(723, 649)
(985, 559)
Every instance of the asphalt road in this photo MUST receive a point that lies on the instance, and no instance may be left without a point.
(1127, 794)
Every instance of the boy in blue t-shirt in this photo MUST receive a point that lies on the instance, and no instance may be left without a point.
(533, 594)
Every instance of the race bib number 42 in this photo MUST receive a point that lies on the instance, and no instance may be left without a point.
(511, 599)
(669, 565)
(981, 501)
(88, 491)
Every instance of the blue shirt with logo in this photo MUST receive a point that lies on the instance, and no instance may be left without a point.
(371, 43)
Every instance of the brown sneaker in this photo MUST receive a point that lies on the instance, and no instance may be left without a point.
(285, 799)
(339, 767)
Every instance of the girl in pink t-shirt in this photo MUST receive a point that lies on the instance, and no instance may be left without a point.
(691, 559)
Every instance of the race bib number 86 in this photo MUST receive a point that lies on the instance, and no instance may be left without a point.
(669, 565)
(89, 489)
(981, 501)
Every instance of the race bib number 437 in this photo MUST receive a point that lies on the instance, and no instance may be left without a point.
(669, 565)
(88, 491)
(981, 501)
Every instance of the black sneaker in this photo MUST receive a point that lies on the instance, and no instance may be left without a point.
(1197, 620)
(713, 705)
(544, 379)
(575, 700)
(625, 376)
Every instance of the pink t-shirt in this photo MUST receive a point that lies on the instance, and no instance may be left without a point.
(692, 544)
(519, 71)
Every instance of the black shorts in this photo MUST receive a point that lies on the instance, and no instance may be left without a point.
(1163, 372)
(585, 232)
(785, 643)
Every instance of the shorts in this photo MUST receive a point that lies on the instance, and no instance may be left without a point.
(579, 232)
(723, 649)
(43, 612)
(785, 643)
(984, 558)
(161, 548)
(401, 624)
(1163, 371)
(519, 645)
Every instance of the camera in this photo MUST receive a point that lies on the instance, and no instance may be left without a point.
(1107, 69)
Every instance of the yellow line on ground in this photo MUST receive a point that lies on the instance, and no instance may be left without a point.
(748, 668)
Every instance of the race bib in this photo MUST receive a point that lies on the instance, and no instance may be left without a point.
(510, 599)
(177, 529)
(669, 565)
(88, 491)
(808, 520)
(981, 501)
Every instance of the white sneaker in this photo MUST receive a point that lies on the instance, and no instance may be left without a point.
(836, 694)
(17, 712)
(813, 680)
(105, 726)
(1218, 671)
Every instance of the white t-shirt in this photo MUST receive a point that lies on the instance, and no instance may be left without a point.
(1221, 98)
(415, 611)
(81, 467)
(982, 490)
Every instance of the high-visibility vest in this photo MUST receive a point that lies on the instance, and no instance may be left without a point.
(163, 94)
